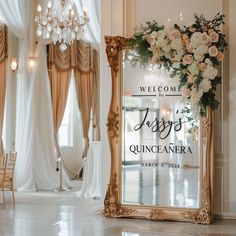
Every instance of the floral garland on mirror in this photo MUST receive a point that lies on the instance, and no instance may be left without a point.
(193, 53)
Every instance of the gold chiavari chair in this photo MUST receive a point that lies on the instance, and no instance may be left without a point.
(8, 180)
(3, 162)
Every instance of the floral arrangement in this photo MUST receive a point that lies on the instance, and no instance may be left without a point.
(192, 53)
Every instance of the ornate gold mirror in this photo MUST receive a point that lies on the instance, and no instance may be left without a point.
(161, 152)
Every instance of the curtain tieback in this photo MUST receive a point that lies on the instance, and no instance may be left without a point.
(86, 147)
(58, 151)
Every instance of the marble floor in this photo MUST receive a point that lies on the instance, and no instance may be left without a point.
(63, 214)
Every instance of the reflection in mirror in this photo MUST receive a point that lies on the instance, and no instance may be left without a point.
(160, 144)
(130, 234)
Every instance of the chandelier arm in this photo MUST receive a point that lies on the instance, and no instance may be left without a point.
(61, 25)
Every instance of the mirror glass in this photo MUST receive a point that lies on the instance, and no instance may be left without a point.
(161, 154)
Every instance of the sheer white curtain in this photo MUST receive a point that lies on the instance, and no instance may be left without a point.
(16, 14)
(92, 168)
(93, 28)
(39, 142)
(72, 151)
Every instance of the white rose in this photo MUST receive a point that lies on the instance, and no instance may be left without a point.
(201, 49)
(187, 59)
(208, 61)
(194, 44)
(213, 51)
(178, 56)
(154, 34)
(193, 69)
(195, 39)
(189, 48)
(214, 37)
(161, 42)
(210, 72)
(205, 39)
(166, 48)
(196, 36)
(160, 32)
(205, 85)
(198, 57)
(174, 34)
(176, 44)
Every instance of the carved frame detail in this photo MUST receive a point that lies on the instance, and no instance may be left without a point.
(112, 203)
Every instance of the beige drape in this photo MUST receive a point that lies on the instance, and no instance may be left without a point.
(81, 57)
(3, 60)
(59, 83)
(61, 60)
(84, 86)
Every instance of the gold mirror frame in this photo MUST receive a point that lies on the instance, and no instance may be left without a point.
(112, 203)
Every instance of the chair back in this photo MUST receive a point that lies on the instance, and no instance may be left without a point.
(2, 161)
(10, 165)
(3, 165)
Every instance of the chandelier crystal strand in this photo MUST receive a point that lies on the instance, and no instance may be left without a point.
(60, 25)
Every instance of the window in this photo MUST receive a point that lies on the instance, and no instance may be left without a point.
(65, 135)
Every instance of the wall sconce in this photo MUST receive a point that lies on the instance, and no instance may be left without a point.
(31, 62)
(14, 64)
(166, 112)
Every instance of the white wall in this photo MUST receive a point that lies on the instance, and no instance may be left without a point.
(162, 10)
(10, 106)
(232, 104)
(105, 88)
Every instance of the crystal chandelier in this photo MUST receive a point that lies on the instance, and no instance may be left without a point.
(61, 25)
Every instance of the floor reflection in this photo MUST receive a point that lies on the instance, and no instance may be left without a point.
(53, 214)
(130, 227)
(161, 186)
